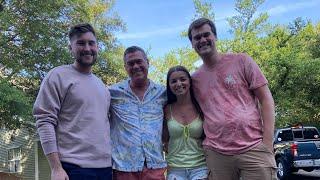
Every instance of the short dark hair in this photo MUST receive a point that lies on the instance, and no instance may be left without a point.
(133, 49)
(173, 98)
(79, 29)
(200, 22)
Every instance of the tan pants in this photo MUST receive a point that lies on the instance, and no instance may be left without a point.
(256, 164)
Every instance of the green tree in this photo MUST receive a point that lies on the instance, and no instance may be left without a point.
(292, 73)
(111, 69)
(15, 105)
(181, 56)
(203, 8)
(299, 97)
(33, 40)
(245, 21)
(246, 28)
(34, 35)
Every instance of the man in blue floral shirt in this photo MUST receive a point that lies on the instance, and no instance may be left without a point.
(136, 122)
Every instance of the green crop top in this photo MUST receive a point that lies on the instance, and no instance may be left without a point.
(184, 148)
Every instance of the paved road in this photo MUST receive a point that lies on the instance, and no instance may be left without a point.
(303, 175)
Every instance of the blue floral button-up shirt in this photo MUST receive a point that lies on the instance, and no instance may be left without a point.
(136, 127)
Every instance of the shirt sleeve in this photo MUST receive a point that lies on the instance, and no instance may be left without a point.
(253, 73)
(45, 111)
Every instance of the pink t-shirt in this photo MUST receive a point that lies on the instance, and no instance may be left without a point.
(225, 93)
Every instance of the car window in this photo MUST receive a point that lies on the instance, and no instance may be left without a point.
(297, 133)
(286, 135)
(310, 133)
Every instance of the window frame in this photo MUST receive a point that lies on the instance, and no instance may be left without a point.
(14, 159)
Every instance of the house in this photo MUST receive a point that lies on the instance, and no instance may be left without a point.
(21, 155)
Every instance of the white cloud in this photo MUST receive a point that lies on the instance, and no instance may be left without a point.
(225, 15)
(280, 9)
(158, 32)
(164, 31)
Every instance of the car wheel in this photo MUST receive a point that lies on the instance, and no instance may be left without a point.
(283, 170)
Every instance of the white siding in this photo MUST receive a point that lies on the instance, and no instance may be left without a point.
(23, 138)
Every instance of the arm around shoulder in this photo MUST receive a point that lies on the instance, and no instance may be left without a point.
(165, 131)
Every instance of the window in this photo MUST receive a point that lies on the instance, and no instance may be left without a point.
(14, 157)
(286, 135)
(297, 133)
(311, 133)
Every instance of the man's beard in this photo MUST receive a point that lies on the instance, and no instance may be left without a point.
(85, 64)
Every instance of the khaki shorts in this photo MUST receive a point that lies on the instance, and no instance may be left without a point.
(255, 164)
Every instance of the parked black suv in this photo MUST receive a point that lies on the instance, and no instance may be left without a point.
(296, 148)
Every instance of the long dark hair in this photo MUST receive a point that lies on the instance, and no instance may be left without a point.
(173, 98)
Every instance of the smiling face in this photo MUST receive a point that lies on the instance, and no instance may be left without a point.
(203, 40)
(136, 66)
(84, 49)
(179, 83)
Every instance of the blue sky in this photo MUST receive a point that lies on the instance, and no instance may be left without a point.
(156, 25)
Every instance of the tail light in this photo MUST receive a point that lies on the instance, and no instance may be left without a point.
(294, 149)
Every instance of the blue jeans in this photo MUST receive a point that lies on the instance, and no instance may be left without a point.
(76, 172)
(187, 173)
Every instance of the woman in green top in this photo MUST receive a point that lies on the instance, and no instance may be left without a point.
(183, 132)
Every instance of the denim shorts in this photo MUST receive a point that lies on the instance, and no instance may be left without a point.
(187, 173)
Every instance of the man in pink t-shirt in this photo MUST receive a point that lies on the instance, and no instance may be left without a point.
(238, 109)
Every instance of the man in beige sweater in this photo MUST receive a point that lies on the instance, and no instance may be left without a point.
(71, 114)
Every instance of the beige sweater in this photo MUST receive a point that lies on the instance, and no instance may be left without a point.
(71, 113)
